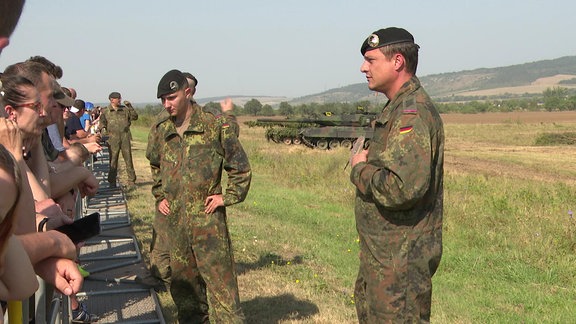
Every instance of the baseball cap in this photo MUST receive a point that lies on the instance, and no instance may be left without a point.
(61, 97)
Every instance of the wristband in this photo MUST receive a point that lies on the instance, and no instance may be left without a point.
(42, 224)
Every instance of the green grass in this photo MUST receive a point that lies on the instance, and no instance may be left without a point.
(509, 241)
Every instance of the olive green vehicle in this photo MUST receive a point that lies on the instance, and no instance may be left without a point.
(327, 131)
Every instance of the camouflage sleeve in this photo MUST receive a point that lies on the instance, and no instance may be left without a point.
(132, 114)
(103, 121)
(153, 155)
(236, 166)
(233, 122)
(400, 175)
(228, 115)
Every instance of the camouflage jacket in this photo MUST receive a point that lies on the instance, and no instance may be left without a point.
(232, 121)
(401, 183)
(117, 121)
(188, 169)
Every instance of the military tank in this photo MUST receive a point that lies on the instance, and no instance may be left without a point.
(326, 131)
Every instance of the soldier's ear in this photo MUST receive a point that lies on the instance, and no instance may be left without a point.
(188, 92)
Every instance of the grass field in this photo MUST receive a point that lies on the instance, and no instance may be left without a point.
(509, 235)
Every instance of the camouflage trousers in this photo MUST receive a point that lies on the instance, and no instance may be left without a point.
(160, 249)
(203, 273)
(394, 283)
(120, 143)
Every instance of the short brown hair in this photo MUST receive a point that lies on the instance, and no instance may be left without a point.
(408, 50)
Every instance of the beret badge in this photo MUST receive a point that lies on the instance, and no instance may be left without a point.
(373, 40)
(173, 85)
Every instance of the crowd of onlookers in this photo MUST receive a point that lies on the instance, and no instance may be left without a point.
(46, 134)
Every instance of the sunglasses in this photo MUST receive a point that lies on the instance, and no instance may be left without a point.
(36, 106)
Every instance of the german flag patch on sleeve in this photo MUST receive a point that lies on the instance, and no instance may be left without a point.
(406, 129)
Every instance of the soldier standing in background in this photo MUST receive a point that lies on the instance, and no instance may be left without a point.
(116, 119)
(399, 181)
(188, 150)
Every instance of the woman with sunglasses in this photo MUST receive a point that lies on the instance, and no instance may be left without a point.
(22, 105)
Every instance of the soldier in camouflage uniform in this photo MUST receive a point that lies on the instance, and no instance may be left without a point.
(399, 181)
(188, 151)
(116, 119)
(159, 246)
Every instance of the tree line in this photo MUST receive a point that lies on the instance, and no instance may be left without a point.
(552, 99)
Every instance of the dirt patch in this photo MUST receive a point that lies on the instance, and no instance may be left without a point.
(511, 117)
(488, 168)
(538, 86)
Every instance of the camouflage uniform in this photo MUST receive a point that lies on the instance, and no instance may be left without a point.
(398, 210)
(117, 123)
(186, 170)
(160, 246)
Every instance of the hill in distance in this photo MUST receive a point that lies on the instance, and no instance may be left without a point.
(528, 78)
(520, 79)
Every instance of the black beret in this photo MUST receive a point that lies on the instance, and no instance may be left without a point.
(115, 95)
(171, 82)
(387, 36)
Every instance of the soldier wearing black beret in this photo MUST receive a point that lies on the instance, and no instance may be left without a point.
(188, 152)
(399, 182)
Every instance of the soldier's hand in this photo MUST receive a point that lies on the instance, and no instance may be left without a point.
(226, 105)
(128, 103)
(213, 202)
(164, 207)
(362, 156)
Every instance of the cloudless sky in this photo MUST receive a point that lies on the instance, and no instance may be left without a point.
(286, 48)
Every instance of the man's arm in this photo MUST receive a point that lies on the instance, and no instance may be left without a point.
(17, 278)
(103, 123)
(228, 111)
(237, 167)
(42, 245)
(38, 166)
(64, 182)
(400, 175)
(132, 114)
(153, 155)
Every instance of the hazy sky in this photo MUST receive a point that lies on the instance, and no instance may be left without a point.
(275, 48)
